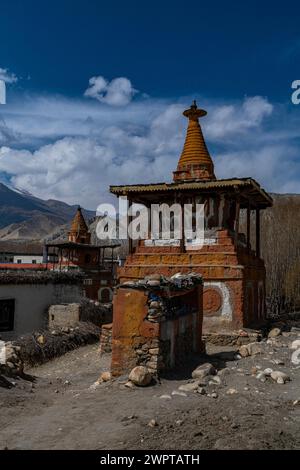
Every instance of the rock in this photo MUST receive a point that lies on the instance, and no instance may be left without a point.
(250, 349)
(268, 371)
(261, 376)
(105, 376)
(140, 376)
(67, 382)
(154, 304)
(153, 283)
(166, 397)
(274, 332)
(295, 344)
(231, 391)
(129, 384)
(203, 371)
(254, 370)
(243, 351)
(154, 351)
(41, 339)
(254, 348)
(180, 394)
(201, 391)
(223, 372)
(280, 377)
(152, 423)
(190, 387)
(215, 381)
(214, 395)
(237, 357)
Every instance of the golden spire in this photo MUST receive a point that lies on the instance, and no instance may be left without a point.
(195, 162)
(79, 230)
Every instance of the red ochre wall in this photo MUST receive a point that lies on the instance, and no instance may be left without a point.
(158, 346)
(234, 279)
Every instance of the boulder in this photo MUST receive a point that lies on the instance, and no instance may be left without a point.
(243, 351)
(254, 348)
(190, 387)
(295, 344)
(280, 377)
(231, 391)
(274, 332)
(203, 371)
(140, 376)
(105, 376)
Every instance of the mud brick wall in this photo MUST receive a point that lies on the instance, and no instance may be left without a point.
(105, 338)
(67, 315)
(158, 345)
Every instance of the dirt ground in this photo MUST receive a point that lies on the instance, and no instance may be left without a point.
(63, 410)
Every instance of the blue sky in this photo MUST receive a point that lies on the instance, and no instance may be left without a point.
(95, 92)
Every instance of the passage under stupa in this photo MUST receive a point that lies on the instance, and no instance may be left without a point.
(233, 271)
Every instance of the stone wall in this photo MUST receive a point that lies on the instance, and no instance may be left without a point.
(64, 315)
(105, 338)
(158, 337)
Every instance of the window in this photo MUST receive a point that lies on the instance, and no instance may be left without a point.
(34, 261)
(19, 261)
(7, 314)
(88, 282)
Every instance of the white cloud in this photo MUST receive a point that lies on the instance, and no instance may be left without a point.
(117, 92)
(228, 120)
(74, 149)
(7, 77)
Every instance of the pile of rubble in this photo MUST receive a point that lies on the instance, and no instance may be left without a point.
(42, 346)
(157, 281)
(11, 364)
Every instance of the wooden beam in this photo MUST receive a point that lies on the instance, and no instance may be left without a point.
(237, 220)
(130, 244)
(248, 226)
(258, 233)
(182, 240)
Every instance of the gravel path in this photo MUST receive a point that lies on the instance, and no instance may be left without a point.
(62, 410)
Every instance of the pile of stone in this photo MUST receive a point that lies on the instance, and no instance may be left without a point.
(276, 375)
(148, 355)
(203, 375)
(11, 365)
(42, 346)
(159, 282)
(105, 338)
